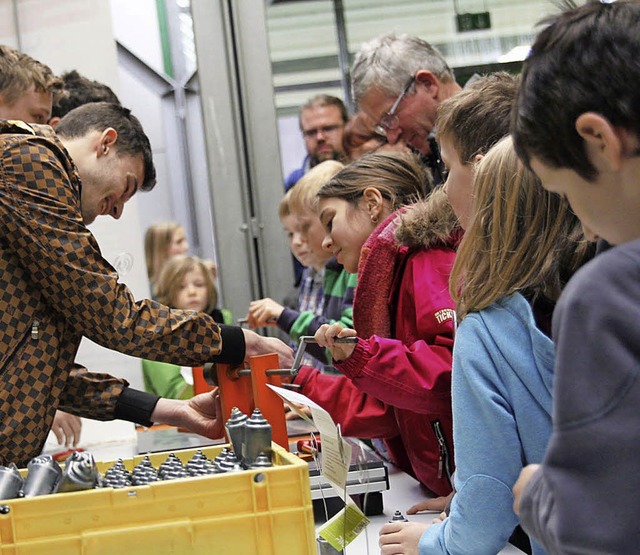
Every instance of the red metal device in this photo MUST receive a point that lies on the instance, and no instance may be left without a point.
(247, 390)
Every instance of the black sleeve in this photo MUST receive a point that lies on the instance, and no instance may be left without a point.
(136, 406)
(233, 346)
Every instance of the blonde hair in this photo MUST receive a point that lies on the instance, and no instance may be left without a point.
(303, 193)
(522, 237)
(19, 72)
(157, 240)
(170, 278)
(284, 208)
(400, 178)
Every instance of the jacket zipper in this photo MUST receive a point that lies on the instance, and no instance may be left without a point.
(444, 459)
(35, 335)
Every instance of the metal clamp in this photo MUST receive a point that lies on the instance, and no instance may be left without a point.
(209, 368)
(302, 346)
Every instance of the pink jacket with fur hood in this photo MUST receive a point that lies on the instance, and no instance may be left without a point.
(397, 383)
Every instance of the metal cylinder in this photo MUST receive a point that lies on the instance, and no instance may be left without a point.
(262, 461)
(325, 548)
(10, 482)
(236, 430)
(257, 437)
(398, 517)
(43, 474)
(80, 473)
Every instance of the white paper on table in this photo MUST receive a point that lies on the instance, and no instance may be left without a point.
(336, 452)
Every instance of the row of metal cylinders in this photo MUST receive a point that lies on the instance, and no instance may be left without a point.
(250, 438)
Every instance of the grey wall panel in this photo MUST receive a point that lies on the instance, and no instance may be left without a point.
(238, 110)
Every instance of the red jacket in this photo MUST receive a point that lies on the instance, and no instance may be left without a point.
(397, 383)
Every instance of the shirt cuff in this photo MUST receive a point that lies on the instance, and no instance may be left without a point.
(287, 318)
(233, 346)
(136, 406)
(353, 365)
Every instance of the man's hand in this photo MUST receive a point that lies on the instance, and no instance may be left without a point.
(326, 335)
(67, 428)
(264, 312)
(401, 538)
(259, 345)
(521, 483)
(200, 414)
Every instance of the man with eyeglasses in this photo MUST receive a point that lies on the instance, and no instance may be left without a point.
(322, 122)
(399, 81)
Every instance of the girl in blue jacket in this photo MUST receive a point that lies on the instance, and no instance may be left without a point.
(521, 245)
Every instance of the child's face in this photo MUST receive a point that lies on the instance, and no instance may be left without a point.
(313, 232)
(600, 212)
(459, 184)
(192, 294)
(347, 227)
(297, 244)
(179, 244)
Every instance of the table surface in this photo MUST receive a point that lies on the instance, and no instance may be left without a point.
(404, 491)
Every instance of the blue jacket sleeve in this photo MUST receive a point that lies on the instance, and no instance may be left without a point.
(488, 453)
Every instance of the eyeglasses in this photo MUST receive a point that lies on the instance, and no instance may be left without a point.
(325, 130)
(390, 120)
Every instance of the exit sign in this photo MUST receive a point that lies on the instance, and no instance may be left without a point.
(473, 21)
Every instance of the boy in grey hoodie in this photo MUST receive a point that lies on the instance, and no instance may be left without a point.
(576, 124)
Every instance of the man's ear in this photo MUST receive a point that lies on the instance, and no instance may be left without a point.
(603, 142)
(106, 141)
(428, 80)
(54, 121)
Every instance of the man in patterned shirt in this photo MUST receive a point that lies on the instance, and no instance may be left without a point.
(56, 287)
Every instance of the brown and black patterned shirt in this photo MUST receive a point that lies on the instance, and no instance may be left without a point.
(56, 287)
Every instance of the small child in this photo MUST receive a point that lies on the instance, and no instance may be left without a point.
(186, 283)
(576, 124)
(316, 305)
(161, 242)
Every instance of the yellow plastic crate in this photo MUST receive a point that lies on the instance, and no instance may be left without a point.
(254, 512)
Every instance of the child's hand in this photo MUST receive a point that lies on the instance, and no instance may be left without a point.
(264, 312)
(67, 428)
(401, 538)
(437, 504)
(440, 518)
(326, 335)
(293, 415)
(521, 483)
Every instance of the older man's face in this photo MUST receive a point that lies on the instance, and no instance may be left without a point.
(416, 114)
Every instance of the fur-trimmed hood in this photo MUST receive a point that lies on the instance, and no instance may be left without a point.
(429, 222)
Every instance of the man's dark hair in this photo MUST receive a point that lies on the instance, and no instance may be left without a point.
(585, 60)
(78, 90)
(98, 116)
(325, 100)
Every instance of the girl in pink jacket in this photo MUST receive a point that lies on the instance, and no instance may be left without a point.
(397, 378)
